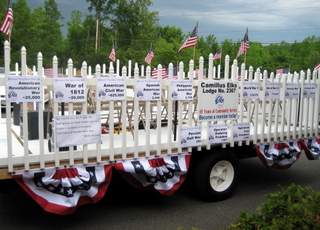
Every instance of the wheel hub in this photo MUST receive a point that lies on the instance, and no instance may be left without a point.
(221, 176)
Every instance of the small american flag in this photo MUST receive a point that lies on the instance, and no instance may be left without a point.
(217, 56)
(7, 23)
(191, 40)
(163, 73)
(244, 46)
(282, 71)
(112, 55)
(48, 72)
(317, 67)
(149, 57)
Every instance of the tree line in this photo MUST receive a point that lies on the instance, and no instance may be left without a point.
(133, 28)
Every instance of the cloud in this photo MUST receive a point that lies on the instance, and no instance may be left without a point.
(297, 18)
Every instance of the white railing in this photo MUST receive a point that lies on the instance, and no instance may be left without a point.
(270, 119)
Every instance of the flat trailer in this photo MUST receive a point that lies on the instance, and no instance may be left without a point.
(202, 120)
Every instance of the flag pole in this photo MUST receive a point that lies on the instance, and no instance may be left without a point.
(220, 56)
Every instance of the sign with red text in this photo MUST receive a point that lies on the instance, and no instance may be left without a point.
(217, 100)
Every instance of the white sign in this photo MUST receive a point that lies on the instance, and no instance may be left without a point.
(250, 90)
(148, 90)
(292, 91)
(110, 89)
(181, 90)
(23, 89)
(69, 89)
(74, 130)
(310, 90)
(272, 90)
(218, 134)
(217, 100)
(241, 132)
(190, 136)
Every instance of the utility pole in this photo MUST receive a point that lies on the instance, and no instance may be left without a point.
(97, 34)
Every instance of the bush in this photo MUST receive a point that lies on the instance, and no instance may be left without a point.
(294, 207)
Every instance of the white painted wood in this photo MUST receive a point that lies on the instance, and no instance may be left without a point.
(16, 65)
(40, 112)
(243, 67)
(159, 116)
(306, 108)
(249, 101)
(70, 110)
(210, 66)
(264, 101)
(270, 111)
(136, 111)
(98, 111)
(148, 116)
(190, 103)
(302, 79)
(170, 106)
(111, 120)
(180, 77)
(25, 111)
(124, 118)
(256, 108)
(8, 106)
(84, 72)
(55, 111)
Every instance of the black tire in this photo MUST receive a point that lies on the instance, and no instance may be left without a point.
(201, 175)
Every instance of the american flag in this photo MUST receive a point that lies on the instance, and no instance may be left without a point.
(244, 46)
(48, 72)
(191, 40)
(149, 57)
(317, 67)
(112, 55)
(7, 23)
(163, 73)
(217, 56)
(282, 71)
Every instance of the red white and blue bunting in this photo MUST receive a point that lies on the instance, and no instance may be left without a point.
(311, 147)
(164, 174)
(279, 155)
(61, 191)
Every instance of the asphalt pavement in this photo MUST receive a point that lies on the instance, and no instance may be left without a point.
(125, 208)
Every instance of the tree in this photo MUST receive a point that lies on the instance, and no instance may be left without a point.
(102, 9)
(49, 43)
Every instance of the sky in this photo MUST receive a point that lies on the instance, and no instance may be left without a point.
(268, 21)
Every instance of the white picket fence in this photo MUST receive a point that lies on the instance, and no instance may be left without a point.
(270, 119)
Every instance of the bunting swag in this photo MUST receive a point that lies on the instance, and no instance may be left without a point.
(165, 174)
(311, 147)
(278, 155)
(61, 191)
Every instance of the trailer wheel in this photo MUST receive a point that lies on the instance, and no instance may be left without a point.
(216, 176)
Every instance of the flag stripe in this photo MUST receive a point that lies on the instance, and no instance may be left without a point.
(149, 57)
(7, 22)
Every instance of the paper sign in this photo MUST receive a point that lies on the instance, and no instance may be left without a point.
(190, 136)
(292, 91)
(148, 90)
(241, 132)
(23, 89)
(272, 90)
(217, 100)
(218, 134)
(74, 130)
(310, 90)
(250, 90)
(69, 89)
(110, 89)
(181, 90)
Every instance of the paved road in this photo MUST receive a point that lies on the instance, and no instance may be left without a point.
(124, 208)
